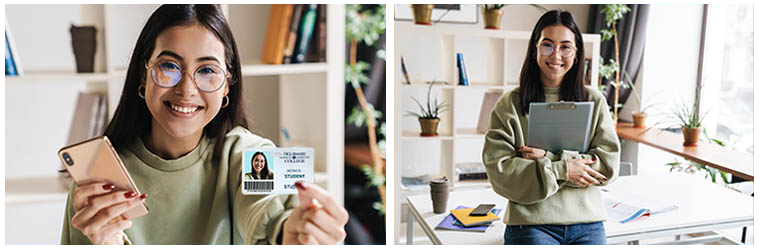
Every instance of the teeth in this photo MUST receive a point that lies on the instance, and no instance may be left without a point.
(183, 109)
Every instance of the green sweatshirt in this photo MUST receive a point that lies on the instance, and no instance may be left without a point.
(193, 200)
(538, 190)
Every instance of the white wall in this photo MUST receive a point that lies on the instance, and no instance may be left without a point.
(669, 71)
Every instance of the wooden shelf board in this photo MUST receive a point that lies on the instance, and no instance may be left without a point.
(409, 135)
(272, 69)
(56, 76)
(736, 163)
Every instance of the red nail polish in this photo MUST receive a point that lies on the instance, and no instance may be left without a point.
(108, 187)
(300, 185)
(130, 194)
(143, 196)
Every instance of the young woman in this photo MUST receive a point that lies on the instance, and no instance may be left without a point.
(554, 197)
(259, 168)
(180, 129)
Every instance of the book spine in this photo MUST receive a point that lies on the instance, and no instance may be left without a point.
(295, 21)
(462, 70)
(10, 68)
(277, 32)
(317, 51)
(13, 52)
(305, 32)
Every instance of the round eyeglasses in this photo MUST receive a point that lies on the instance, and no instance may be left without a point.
(208, 78)
(547, 49)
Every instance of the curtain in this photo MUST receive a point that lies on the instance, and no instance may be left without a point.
(631, 35)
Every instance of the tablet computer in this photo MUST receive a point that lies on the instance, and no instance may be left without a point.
(560, 125)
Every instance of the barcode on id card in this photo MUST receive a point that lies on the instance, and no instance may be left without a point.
(258, 186)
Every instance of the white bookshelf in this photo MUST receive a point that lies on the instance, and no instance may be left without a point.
(493, 60)
(306, 99)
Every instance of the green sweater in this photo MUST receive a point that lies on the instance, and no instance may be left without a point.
(538, 190)
(193, 200)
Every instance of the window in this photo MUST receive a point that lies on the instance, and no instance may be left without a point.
(728, 67)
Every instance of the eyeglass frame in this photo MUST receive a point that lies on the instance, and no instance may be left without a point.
(554, 49)
(182, 71)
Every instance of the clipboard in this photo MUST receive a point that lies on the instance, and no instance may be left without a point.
(560, 125)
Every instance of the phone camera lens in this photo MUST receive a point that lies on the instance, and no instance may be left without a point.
(67, 159)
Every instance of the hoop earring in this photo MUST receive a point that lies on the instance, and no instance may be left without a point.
(226, 103)
(141, 91)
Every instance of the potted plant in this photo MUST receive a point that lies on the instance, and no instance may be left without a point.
(429, 115)
(691, 123)
(492, 14)
(422, 13)
(640, 115)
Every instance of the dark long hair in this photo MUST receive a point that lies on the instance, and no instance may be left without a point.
(133, 119)
(571, 88)
(265, 171)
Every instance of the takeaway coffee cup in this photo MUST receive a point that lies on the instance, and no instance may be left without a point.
(439, 193)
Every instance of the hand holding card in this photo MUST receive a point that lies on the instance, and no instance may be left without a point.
(317, 220)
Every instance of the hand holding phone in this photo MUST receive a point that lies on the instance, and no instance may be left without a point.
(106, 198)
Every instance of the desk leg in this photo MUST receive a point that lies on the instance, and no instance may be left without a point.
(744, 234)
(409, 227)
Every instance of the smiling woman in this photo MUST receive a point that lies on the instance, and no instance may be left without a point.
(180, 129)
(554, 197)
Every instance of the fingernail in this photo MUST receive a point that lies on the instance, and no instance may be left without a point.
(300, 185)
(130, 194)
(108, 187)
(143, 196)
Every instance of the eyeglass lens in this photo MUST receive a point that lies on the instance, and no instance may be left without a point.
(547, 49)
(167, 74)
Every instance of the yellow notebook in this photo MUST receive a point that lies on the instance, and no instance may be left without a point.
(463, 215)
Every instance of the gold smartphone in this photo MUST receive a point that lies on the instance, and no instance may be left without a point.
(95, 160)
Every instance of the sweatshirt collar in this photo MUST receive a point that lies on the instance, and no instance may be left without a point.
(169, 165)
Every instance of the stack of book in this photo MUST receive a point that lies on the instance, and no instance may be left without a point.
(460, 220)
(297, 33)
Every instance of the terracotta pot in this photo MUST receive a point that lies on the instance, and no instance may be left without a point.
(422, 13)
(639, 119)
(429, 126)
(492, 18)
(690, 136)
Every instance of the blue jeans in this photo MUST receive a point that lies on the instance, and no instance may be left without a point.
(577, 234)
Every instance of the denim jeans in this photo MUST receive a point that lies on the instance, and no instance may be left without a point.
(577, 234)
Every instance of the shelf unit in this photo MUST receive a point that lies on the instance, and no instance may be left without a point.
(493, 59)
(305, 99)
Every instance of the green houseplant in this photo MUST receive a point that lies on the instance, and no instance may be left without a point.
(366, 26)
(640, 115)
(429, 114)
(612, 14)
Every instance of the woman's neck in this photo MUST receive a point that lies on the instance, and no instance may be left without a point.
(549, 83)
(167, 146)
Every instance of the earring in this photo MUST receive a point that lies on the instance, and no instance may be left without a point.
(225, 104)
(141, 91)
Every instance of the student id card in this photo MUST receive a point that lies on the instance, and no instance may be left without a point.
(276, 170)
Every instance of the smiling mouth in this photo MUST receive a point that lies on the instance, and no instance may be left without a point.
(183, 109)
(555, 66)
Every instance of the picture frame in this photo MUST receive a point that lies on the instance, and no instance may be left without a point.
(445, 13)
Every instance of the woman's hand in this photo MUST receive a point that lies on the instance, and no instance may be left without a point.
(98, 212)
(579, 173)
(531, 153)
(317, 220)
